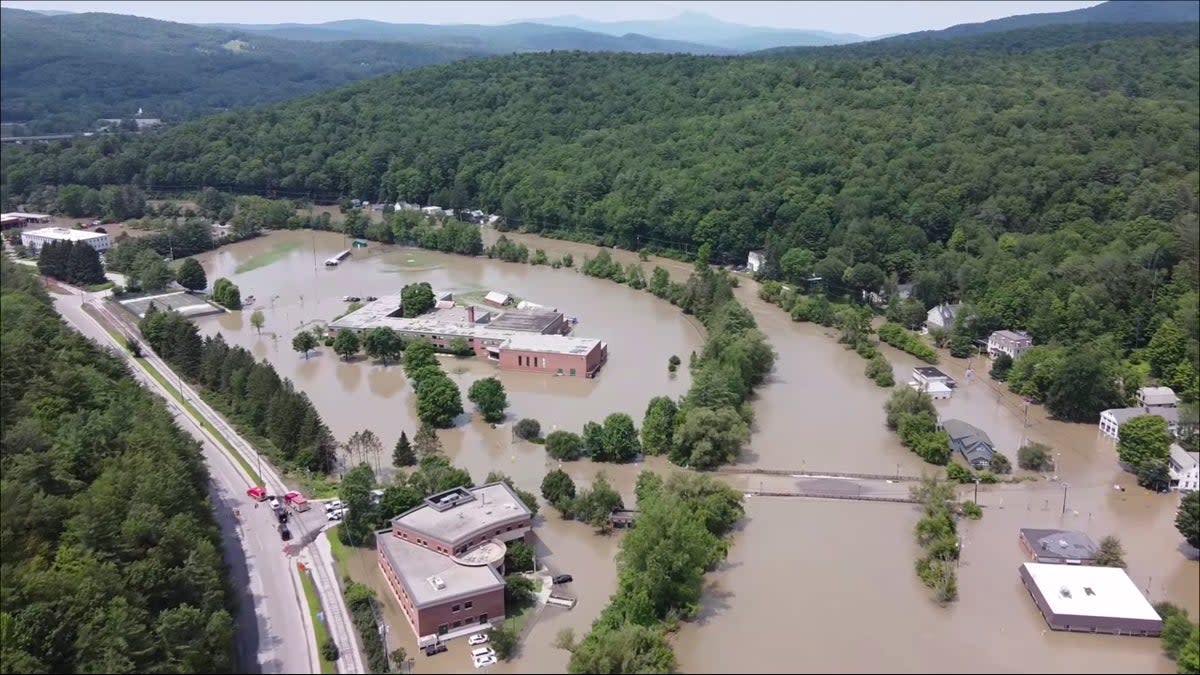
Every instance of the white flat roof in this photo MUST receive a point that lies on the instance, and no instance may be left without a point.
(64, 233)
(421, 569)
(494, 504)
(1083, 590)
(22, 214)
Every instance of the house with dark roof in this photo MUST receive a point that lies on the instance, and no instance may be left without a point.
(1062, 547)
(971, 442)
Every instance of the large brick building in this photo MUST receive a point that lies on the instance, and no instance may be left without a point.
(523, 339)
(444, 559)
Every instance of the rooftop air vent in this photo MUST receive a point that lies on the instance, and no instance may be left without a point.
(437, 583)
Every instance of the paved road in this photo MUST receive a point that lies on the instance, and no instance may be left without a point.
(274, 628)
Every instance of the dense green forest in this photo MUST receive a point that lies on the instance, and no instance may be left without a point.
(1054, 190)
(62, 73)
(111, 561)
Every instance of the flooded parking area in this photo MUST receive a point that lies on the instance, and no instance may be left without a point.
(808, 583)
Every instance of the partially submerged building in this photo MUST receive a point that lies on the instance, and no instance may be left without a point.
(444, 559)
(933, 382)
(526, 339)
(1090, 599)
(34, 240)
(1113, 419)
(1058, 547)
(971, 442)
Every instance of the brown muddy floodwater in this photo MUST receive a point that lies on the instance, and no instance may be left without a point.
(809, 585)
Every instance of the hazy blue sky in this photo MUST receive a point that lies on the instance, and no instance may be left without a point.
(866, 18)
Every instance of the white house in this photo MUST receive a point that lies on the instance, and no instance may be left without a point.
(1112, 419)
(933, 382)
(434, 211)
(1157, 397)
(1184, 469)
(1011, 342)
(755, 261)
(942, 316)
(34, 240)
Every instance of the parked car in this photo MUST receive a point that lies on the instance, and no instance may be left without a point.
(257, 493)
(477, 639)
(482, 652)
(484, 661)
(333, 505)
(274, 501)
(562, 579)
(334, 515)
(282, 514)
(436, 648)
(284, 533)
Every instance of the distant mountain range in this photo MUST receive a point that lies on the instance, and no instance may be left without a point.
(702, 28)
(504, 39)
(61, 71)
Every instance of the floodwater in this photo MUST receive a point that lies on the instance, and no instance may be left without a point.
(821, 577)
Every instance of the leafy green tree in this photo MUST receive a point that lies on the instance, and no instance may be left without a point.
(593, 440)
(438, 401)
(224, 293)
(383, 343)
(1154, 475)
(527, 429)
(504, 639)
(1143, 440)
(558, 488)
(417, 355)
(658, 426)
(345, 343)
(1001, 367)
(416, 299)
(594, 505)
(518, 591)
(257, 320)
(1187, 520)
(660, 282)
(1084, 385)
(304, 342)
(402, 454)
(154, 275)
(1111, 553)
(488, 394)
(619, 440)
(564, 445)
(518, 557)
(1166, 349)
(626, 648)
(907, 401)
(705, 438)
(191, 275)
(879, 370)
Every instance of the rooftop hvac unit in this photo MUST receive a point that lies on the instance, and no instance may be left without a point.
(437, 583)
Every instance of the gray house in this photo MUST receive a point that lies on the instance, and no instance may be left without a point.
(971, 442)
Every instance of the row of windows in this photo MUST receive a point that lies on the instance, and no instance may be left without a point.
(445, 628)
(531, 361)
(466, 605)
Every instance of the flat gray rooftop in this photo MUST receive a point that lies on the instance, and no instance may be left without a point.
(527, 320)
(1064, 544)
(494, 504)
(422, 571)
(557, 344)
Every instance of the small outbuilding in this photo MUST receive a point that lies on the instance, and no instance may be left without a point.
(1059, 547)
(497, 298)
(1090, 599)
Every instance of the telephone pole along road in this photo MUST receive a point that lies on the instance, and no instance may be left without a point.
(274, 627)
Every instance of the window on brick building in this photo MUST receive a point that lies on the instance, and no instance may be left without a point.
(468, 604)
(456, 608)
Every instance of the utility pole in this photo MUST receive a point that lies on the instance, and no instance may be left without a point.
(976, 490)
(1065, 486)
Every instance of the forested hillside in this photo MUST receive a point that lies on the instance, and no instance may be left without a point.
(110, 561)
(62, 73)
(1053, 189)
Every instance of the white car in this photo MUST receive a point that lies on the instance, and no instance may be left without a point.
(477, 639)
(334, 505)
(274, 501)
(484, 661)
(334, 515)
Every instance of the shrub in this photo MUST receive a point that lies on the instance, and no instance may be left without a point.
(1035, 457)
(1000, 367)
(527, 429)
(986, 477)
(972, 510)
(329, 650)
(879, 370)
(959, 473)
(999, 463)
(564, 445)
(896, 336)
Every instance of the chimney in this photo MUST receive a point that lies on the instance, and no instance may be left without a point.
(471, 314)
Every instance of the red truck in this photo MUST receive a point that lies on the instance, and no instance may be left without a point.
(296, 500)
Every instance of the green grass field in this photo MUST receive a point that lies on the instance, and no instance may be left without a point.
(278, 252)
(321, 631)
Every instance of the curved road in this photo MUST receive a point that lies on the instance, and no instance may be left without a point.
(274, 628)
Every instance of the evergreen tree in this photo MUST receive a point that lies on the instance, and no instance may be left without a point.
(402, 454)
(191, 275)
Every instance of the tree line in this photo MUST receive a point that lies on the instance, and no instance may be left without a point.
(112, 560)
(74, 262)
(249, 391)
(682, 522)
